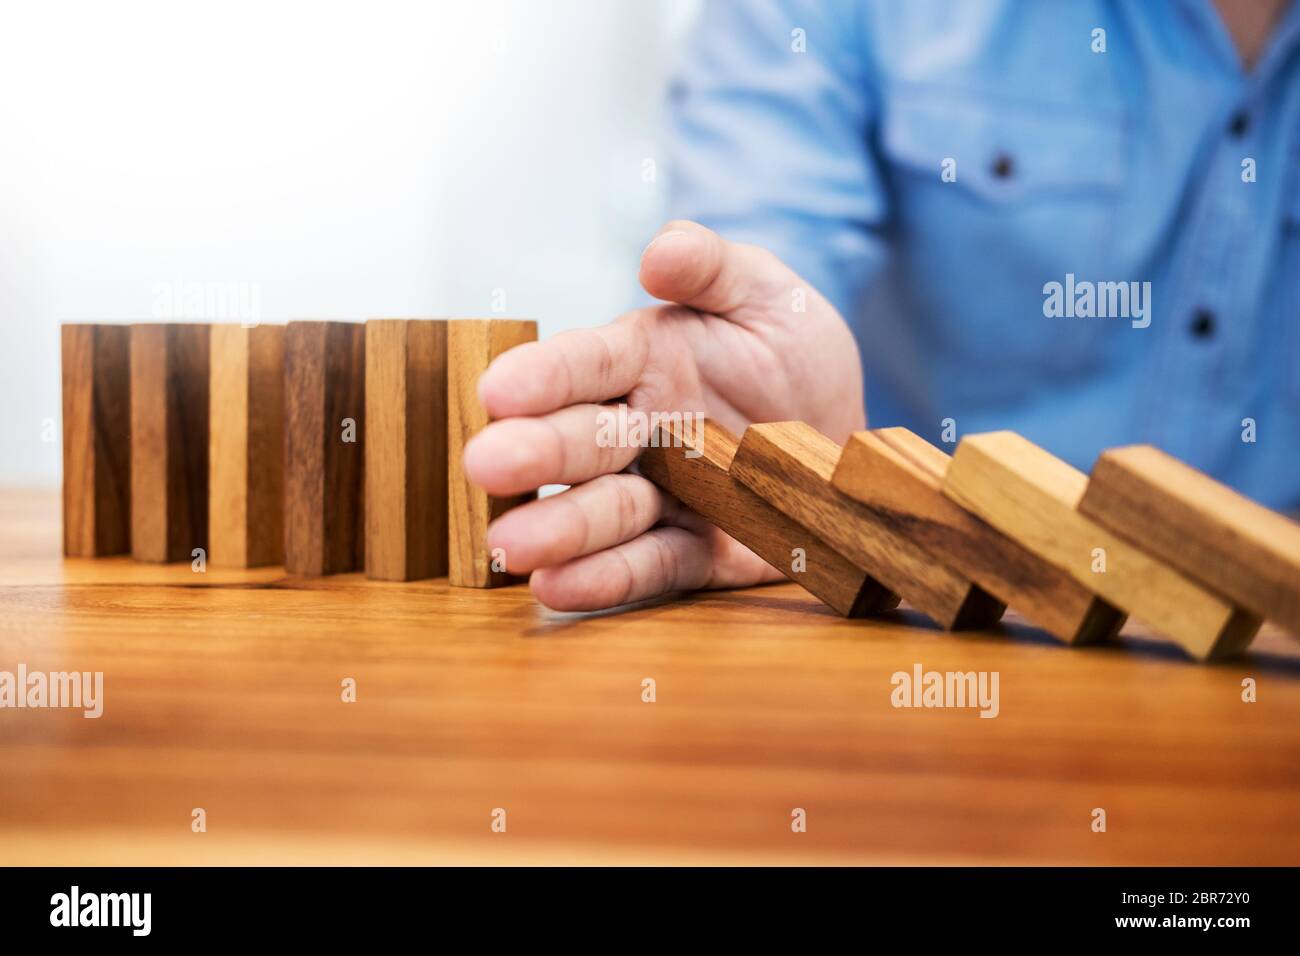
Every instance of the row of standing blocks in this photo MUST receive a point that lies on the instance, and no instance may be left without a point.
(323, 446)
(1001, 522)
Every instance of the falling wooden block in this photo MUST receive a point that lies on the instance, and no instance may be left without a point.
(96, 440)
(324, 467)
(169, 440)
(1214, 535)
(246, 447)
(406, 449)
(703, 484)
(790, 465)
(899, 475)
(472, 344)
(1033, 497)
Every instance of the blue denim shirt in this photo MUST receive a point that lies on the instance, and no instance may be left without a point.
(933, 166)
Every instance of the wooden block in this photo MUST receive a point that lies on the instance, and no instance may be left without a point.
(1033, 497)
(246, 447)
(899, 475)
(790, 465)
(96, 440)
(1214, 535)
(704, 485)
(324, 464)
(472, 344)
(406, 449)
(169, 440)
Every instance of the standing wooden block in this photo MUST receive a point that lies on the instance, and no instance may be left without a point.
(790, 465)
(324, 466)
(1214, 535)
(96, 440)
(246, 447)
(899, 475)
(1033, 497)
(703, 484)
(169, 440)
(472, 344)
(406, 449)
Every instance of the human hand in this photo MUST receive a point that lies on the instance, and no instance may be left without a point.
(732, 342)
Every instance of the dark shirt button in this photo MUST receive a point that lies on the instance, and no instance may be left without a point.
(1003, 166)
(1202, 326)
(1240, 124)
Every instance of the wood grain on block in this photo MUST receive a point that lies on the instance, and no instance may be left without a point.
(96, 440)
(169, 440)
(246, 447)
(899, 475)
(1033, 497)
(790, 465)
(1239, 548)
(703, 484)
(406, 449)
(472, 344)
(324, 464)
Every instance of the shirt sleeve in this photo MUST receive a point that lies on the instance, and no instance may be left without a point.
(770, 121)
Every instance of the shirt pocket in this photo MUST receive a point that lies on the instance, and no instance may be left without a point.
(993, 199)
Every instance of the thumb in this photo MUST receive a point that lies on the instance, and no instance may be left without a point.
(693, 266)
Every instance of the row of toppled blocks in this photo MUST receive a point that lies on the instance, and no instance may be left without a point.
(1000, 523)
(323, 446)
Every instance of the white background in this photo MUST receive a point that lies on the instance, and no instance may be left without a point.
(316, 160)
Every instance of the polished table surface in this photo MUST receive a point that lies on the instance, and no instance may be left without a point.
(223, 691)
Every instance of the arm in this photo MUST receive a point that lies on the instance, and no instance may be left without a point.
(772, 147)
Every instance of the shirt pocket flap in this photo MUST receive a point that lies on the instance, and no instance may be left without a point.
(1004, 151)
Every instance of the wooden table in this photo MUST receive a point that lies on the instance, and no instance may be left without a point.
(223, 691)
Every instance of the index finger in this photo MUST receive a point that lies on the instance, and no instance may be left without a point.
(572, 368)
